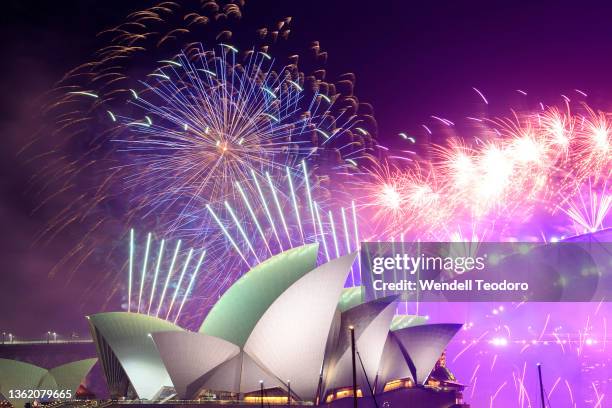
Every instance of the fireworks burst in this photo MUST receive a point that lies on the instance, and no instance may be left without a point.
(208, 121)
(531, 164)
(157, 126)
(590, 208)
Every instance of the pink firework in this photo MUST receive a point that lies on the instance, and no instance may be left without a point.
(530, 164)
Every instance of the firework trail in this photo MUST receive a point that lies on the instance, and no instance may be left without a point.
(280, 218)
(181, 103)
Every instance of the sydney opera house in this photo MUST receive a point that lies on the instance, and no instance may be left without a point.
(287, 332)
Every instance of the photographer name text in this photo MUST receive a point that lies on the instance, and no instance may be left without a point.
(450, 286)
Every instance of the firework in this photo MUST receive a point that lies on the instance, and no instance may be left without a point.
(491, 185)
(149, 304)
(207, 121)
(280, 219)
(177, 110)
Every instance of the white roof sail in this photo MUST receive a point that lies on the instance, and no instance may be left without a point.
(423, 345)
(252, 374)
(289, 340)
(128, 335)
(225, 377)
(371, 324)
(190, 356)
(393, 365)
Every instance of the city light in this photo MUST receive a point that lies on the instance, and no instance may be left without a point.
(499, 341)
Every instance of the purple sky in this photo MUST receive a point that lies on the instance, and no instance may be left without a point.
(412, 60)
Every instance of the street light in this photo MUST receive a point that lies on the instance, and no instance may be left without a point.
(3, 337)
(288, 392)
(261, 385)
(352, 333)
(48, 337)
(55, 337)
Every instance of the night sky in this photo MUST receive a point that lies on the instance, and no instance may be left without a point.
(412, 60)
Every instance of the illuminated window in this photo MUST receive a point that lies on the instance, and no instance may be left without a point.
(395, 384)
(433, 383)
(342, 393)
(266, 400)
